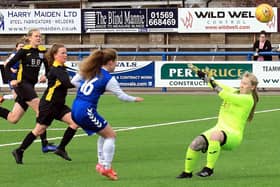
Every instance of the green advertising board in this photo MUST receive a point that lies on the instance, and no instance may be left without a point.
(220, 71)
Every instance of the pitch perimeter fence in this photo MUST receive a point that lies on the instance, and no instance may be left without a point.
(152, 83)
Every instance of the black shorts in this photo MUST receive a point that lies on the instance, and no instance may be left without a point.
(49, 111)
(25, 91)
(21, 102)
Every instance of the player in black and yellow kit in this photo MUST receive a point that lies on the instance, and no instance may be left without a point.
(30, 58)
(52, 104)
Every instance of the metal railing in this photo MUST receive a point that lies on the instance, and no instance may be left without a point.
(164, 55)
(246, 47)
(248, 54)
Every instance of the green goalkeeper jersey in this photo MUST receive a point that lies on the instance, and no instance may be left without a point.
(234, 110)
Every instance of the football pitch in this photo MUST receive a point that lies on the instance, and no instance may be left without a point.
(152, 138)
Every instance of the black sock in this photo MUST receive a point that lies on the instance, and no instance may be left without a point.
(28, 140)
(44, 140)
(67, 137)
(4, 112)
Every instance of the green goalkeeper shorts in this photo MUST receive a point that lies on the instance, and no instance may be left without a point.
(233, 139)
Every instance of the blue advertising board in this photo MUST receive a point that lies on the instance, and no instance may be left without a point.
(142, 75)
(127, 73)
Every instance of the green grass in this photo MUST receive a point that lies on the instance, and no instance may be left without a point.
(149, 156)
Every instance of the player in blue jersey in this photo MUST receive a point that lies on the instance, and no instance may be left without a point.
(14, 68)
(93, 80)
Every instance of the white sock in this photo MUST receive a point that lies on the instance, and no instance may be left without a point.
(8, 97)
(100, 143)
(108, 152)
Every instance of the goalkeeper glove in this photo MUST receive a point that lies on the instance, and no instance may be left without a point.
(211, 80)
(214, 85)
(199, 73)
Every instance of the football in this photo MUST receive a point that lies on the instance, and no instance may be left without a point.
(264, 13)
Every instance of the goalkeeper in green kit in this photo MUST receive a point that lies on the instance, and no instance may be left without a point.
(236, 110)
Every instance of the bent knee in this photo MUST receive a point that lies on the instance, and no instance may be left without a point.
(13, 120)
(14, 116)
(217, 136)
(73, 126)
(198, 144)
(112, 134)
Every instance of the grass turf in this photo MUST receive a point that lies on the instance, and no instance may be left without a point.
(147, 156)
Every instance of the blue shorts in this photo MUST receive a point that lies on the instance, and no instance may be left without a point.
(89, 120)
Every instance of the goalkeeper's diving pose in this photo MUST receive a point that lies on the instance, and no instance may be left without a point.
(237, 108)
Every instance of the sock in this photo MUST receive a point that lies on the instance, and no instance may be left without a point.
(4, 112)
(67, 137)
(44, 140)
(108, 152)
(191, 160)
(100, 143)
(28, 140)
(213, 153)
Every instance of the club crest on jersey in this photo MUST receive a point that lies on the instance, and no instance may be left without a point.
(41, 55)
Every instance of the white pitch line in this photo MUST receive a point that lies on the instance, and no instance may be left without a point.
(265, 111)
(124, 129)
(49, 129)
(23, 130)
(145, 126)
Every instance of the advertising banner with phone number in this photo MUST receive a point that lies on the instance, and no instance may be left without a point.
(129, 20)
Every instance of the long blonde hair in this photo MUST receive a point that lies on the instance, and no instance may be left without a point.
(29, 34)
(254, 82)
(91, 66)
(23, 40)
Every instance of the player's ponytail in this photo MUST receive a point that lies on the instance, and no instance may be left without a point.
(91, 66)
(256, 99)
(109, 55)
(254, 82)
(23, 40)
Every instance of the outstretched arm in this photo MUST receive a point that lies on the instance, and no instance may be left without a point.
(76, 80)
(206, 76)
(114, 87)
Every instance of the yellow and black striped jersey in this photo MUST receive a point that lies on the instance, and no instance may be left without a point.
(30, 60)
(58, 84)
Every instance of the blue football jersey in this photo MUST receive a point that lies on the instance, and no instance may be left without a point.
(84, 106)
(90, 90)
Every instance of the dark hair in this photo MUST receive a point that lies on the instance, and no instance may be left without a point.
(91, 66)
(263, 32)
(51, 52)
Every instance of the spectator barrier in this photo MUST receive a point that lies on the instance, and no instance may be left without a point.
(135, 74)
